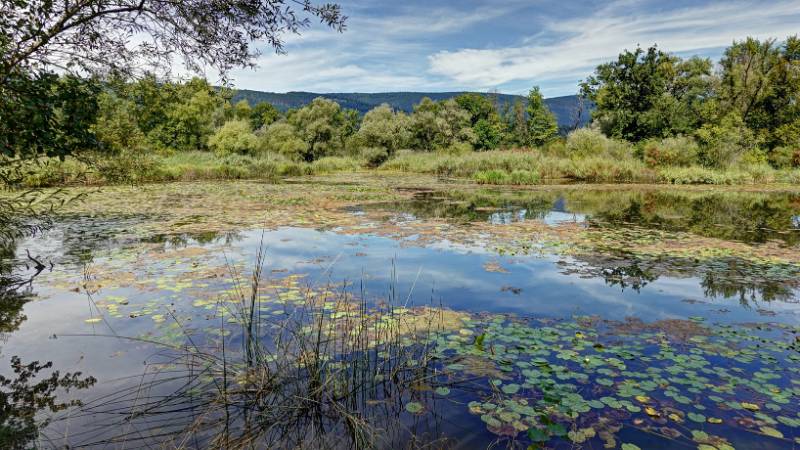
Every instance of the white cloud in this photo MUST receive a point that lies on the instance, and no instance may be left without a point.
(374, 54)
(577, 45)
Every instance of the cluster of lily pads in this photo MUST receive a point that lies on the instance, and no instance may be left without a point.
(586, 379)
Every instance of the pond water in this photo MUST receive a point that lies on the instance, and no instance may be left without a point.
(559, 318)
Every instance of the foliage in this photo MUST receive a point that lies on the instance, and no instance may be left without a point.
(94, 35)
(785, 157)
(646, 94)
(374, 156)
(439, 125)
(587, 142)
(43, 114)
(234, 137)
(723, 144)
(484, 120)
(672, 151)
(282, 138)
(117, 126)
(263, 114)
(383, 128)
(760, 82)
(323, 126)
(542, 124)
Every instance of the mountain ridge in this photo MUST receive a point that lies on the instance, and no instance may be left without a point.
(566, 108)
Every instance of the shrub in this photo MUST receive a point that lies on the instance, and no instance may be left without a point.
(525, 177)
(703, 175)
(607, 169)
(785, 157)
(335, 164)
(677, 151)
(374, 156)
(384, 128)
(587, 142)
(723, 144)
(235, 137)
(283, 139)
(457, 149)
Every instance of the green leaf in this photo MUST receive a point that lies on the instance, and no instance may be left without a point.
(414, 407)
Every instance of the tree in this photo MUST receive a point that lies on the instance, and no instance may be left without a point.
(234, 137)
(242, 110)
(281, 137)
(484, 120)
(95, 35)
(648, 94)
(117, 128)
(190, 116)
(542, 123)
(323, 126)
(263, 114)
(384, 128)
(44, 115)
(760, 82)
(517, 124)
(440, 125)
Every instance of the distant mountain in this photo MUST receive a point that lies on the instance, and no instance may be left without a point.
(565, 108)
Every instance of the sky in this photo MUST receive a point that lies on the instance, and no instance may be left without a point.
(506, 46)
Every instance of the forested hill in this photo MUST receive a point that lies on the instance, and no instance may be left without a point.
(564, 107)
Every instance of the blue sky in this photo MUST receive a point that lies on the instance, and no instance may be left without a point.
(502, 45)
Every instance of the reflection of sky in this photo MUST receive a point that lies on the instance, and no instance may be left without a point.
(445, 272)
(554, 217)
(455, 274)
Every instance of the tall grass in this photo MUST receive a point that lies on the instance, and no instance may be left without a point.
(332, 372)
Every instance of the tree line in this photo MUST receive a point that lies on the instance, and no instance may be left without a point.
(148, 115)
(745, 108)
(671, 111)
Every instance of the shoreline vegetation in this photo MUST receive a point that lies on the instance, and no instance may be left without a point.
(501, 167)
(655, 118)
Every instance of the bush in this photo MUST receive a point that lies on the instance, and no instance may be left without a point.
(382, 128)
(607, 169)
(283, 139)
(723, 145)
(703, 175)
(785, 157)
(587, 142)
(129, 166)
(331, 164)
(680, 151)
(235, 137)
(457, 149)
(374, 156)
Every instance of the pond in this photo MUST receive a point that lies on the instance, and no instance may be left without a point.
(405, 313)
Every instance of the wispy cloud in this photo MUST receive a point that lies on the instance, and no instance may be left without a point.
(575, 46)
(508, 45)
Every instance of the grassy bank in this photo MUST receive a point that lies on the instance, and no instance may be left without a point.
(180, 166)
(511, 167)
(533, 167)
